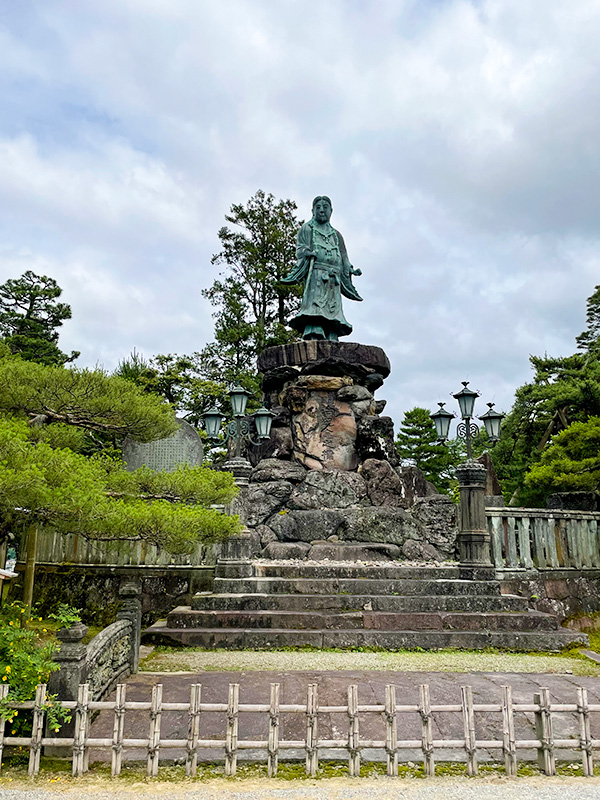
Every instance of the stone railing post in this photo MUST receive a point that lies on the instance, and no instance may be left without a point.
(130, 593)
(71, 658)
(473, 537)
(237, 552)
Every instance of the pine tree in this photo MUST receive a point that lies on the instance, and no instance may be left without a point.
(253, 307)
(30, 316)
(416, 443)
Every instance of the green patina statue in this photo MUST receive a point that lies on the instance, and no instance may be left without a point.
(324, 268)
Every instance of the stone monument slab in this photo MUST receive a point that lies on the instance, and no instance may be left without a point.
(164, 455)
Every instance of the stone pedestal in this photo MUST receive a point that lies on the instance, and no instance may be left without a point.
(322, 395)
(473, 537)
(65, 682)
(130, 593)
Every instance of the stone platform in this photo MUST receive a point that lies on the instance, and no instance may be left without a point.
(262, 604)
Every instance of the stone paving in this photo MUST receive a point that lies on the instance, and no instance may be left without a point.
(255, 688)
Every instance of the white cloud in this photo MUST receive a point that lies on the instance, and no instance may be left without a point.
(458, 140)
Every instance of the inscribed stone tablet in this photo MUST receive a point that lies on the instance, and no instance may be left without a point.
(163, 455)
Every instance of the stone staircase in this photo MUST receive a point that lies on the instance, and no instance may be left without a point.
(263, 604)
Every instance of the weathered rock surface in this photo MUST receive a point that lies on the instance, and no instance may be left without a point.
(286, 550)
(353, 394)
(368, 524)
(437, 515)
(306, 526)
(574, 501)
(415, 550)
(265, 498)
(384, 485)
(313, 354)
(325, 433)
(265, 535)
(414, 484)
(272, 469)
(353, 551)
(375, 439)
(336, 489)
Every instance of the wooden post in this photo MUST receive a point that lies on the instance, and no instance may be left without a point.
(585, 733)
(81, 728)
(543, 729)
(32, 539)
(312, 730)
(273, 745)
(154, 734)
(3, 723)
(118, 728)
(391, 731)
(37, 731)
(509, 747)
(353, 732)
(426, 730)
(231, 738)
(468, 715)
(191, 759)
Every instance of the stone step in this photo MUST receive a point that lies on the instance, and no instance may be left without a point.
(263, 639)
(276, 585)
(333, 569)
(185, 617)
(350, 602)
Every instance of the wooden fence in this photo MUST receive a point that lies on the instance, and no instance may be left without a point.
(195, 710)
(528, 538)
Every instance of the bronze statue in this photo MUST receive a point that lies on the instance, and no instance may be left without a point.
(324, 268)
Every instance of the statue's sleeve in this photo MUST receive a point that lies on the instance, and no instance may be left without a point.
(347, 286)
(303, 246)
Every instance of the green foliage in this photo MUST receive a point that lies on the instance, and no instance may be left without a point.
(100, 499)
(179, 379)
(82, 398)
(25, 662)
(253, 306)
(563, 391)
(417, 443)
(66, 615)
(571, 463)
(30, 315)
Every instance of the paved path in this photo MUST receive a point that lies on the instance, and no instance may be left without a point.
(255, 688)
(336, 789)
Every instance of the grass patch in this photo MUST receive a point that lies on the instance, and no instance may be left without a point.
(178, 659)
(56, 771)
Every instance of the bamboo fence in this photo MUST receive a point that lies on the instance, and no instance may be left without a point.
(546, 744)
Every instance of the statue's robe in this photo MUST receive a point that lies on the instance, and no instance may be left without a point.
(325, 280)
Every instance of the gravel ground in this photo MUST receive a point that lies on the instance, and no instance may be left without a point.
(189, 660)
(333, 789)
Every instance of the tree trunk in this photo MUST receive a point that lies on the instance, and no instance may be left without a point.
(32, 538)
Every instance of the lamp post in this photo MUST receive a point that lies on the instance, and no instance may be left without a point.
(238, 429)
(473, 537)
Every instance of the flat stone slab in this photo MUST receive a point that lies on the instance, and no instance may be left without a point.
(303, 353)
(332, 689)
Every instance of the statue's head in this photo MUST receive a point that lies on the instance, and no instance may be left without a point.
(322, 208)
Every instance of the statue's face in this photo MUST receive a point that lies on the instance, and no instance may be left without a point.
(322, 211)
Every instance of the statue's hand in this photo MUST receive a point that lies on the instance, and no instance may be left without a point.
(356, 271)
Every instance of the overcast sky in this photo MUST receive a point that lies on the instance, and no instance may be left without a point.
(458, 139)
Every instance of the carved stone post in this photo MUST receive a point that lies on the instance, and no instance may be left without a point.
(130, 593)
(65, 682)
(235, 560)
(473, 537)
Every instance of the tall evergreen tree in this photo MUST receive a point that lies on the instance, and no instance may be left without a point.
(252, 306)
(30, 316)
(416, 443)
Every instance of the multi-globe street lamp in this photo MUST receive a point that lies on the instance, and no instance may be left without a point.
(238, 429)
(473, 537)
(466, 429)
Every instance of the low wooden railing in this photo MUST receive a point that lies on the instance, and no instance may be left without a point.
(274, 745)
(527, 538)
